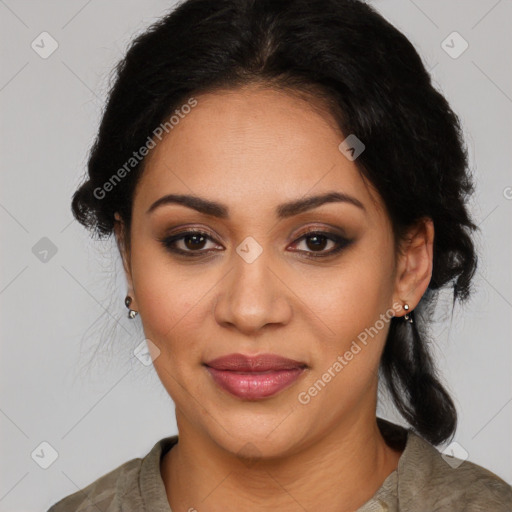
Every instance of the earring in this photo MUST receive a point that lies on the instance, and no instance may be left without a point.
(408, 316)
(131, 313)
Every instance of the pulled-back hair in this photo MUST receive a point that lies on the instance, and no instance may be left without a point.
(376, 87)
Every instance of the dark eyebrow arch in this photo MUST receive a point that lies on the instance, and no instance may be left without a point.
(283, 211)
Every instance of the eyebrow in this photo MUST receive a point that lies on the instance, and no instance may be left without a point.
(283, 211)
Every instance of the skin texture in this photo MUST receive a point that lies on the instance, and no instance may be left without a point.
(253, 149)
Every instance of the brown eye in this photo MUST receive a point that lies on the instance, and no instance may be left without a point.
(195, 241)
(317, 241)
(189, 243)
(194, 244)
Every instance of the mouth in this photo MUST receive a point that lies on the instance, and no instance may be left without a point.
(254, 377)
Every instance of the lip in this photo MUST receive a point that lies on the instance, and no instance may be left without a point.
(254, 377)
(258, 363)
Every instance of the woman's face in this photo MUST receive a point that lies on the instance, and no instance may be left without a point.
(255, 284)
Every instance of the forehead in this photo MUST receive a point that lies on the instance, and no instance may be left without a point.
(252, 146)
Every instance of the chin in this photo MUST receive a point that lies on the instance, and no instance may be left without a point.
(257, 437)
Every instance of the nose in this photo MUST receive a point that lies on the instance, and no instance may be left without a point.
(253, 295)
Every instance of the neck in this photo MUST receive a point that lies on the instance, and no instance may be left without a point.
(339, 472)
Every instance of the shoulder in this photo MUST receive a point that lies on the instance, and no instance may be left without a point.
(102, 494)
(440, 482)
(114, 490)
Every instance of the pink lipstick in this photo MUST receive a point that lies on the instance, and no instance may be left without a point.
(254, 377)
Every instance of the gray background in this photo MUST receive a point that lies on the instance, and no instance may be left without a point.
(68, 374)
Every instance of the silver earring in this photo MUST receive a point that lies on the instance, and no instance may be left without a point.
(131, 313)
(408, 316)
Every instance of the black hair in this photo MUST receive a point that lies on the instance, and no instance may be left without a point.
(377, 88)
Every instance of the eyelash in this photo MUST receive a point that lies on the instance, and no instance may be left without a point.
(341, 242)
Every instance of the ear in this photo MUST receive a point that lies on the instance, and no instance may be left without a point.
(120, 234)
(415, 263)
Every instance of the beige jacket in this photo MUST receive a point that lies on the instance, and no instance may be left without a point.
(425, 481)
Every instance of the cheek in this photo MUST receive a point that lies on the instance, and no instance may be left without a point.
(353, 295)
(168, 299)
(169, 303)
(351, 300)
(346, 363)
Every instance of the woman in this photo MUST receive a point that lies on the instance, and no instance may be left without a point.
(288, 193)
